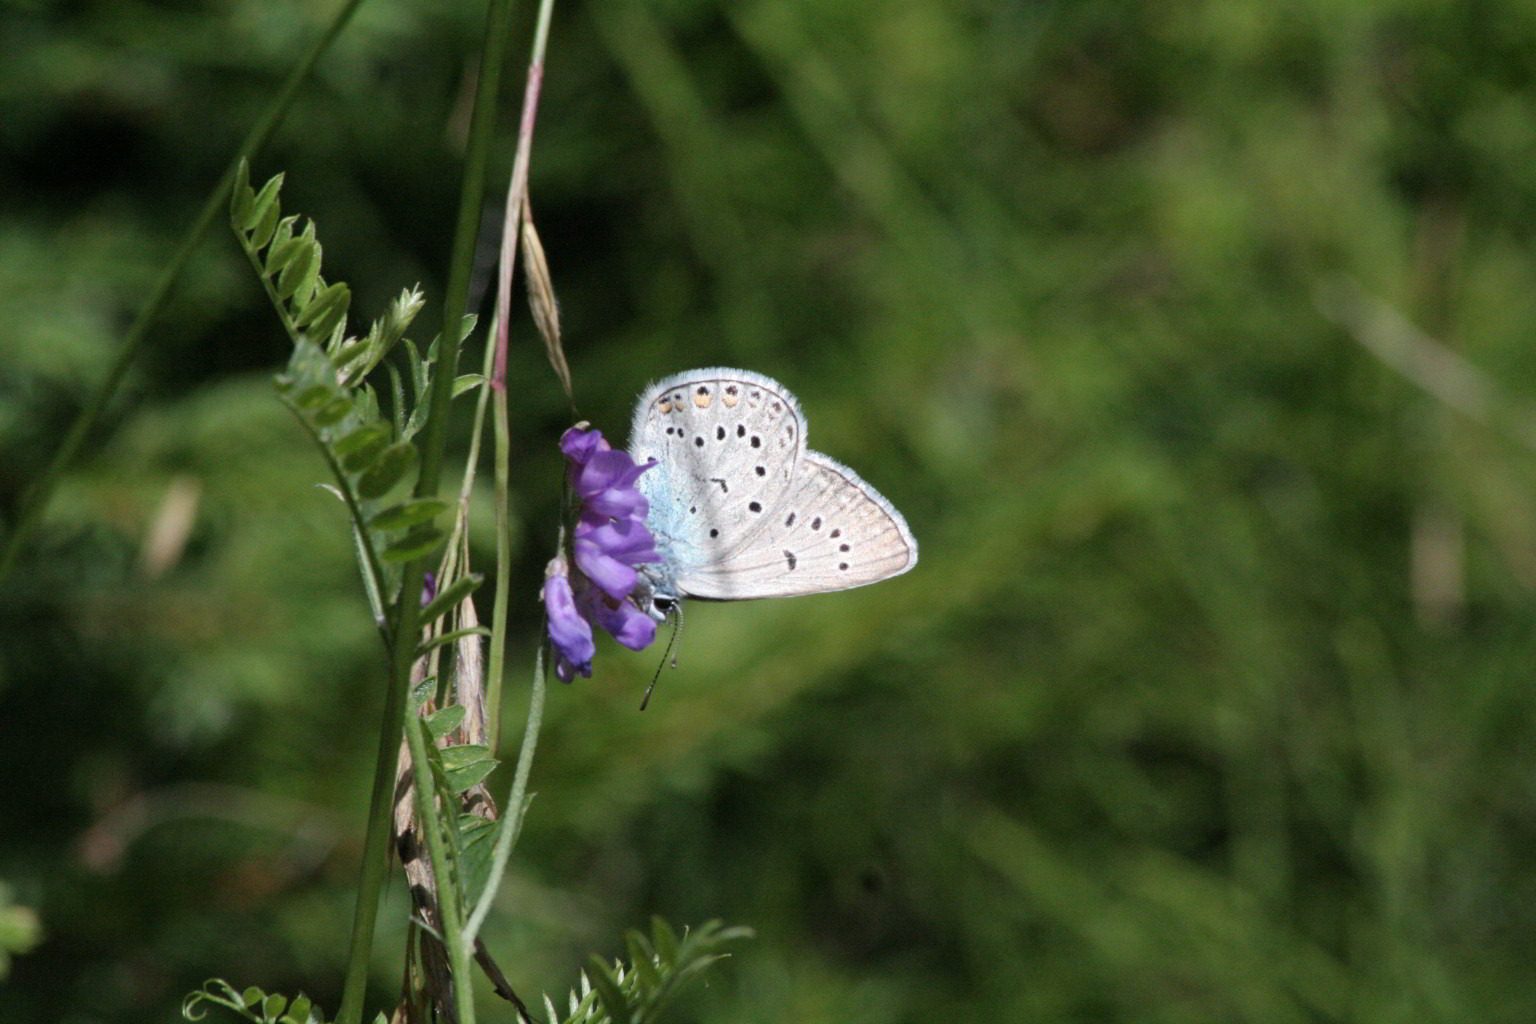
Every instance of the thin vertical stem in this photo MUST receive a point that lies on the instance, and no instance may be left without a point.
(408, 609)
(517, 191)
(517, 203)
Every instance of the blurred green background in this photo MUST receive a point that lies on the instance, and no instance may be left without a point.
(1210, 699)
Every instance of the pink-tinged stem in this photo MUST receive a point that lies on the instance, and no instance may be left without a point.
(511, 231)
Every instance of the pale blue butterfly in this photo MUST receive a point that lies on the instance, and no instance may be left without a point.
(741, 508)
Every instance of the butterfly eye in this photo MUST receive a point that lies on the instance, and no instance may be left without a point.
(664, 605)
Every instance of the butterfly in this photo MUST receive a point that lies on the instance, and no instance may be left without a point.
(741, 508)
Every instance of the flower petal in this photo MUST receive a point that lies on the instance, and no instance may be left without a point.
(617, 502)
(569, 631)
(579, 445)
(604, 470)
(627, 624)
(612, 576)
(627, 540)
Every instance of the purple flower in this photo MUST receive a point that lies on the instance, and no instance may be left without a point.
(569, 631)
(579, 445)
(627, 624)
(607, 553)
(609, 541)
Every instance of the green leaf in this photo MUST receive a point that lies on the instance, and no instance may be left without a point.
(465, 765)
(252, 996)
(608, 992)
(332, 412)
(261, 233)
(262, 217)
(273, 1006)
(299, 1009)
(408, 514)
(313, 397)
(461, 779)
(420, 541)
(464, 754)
(323, 304)
(421, 372)
(352, 350)
(467, 382)
(388, 469)
(358, 449)
(642, 958)
(423, 691)
(297, 280)
(664, 939)
(442, 722)
(216, 991)
(388, 329)
(477, 842)
(450, 596)
(284, 247)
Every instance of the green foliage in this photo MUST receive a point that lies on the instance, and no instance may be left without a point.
(660, 966)
(252, 1005)
(1209, 700)
(371, 454)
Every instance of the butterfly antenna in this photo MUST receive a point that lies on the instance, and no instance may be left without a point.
(677, 631)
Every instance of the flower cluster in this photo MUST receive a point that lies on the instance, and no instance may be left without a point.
(609, 541)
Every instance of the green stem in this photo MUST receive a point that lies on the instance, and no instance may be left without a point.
(496, 659)
(512, 813)
(450, 911)
(42, 489)
(373, 572)
(517, 192)
(408, 612)
(266, 283)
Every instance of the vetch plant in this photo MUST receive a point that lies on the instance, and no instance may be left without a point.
(375, 404)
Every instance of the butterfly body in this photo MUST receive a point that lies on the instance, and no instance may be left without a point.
(741, 508)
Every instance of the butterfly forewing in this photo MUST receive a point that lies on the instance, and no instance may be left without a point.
(728, 443)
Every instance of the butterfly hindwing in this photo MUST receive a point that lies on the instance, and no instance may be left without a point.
(833, 531)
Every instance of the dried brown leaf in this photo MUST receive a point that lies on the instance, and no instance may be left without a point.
(541, 299)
